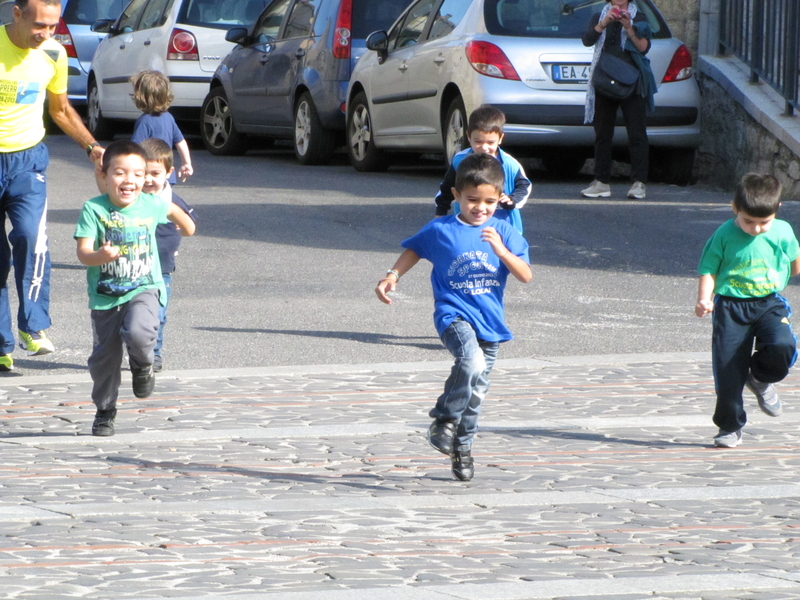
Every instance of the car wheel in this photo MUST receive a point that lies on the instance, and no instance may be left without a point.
(680, 166)
(454, 132)
(100, 127)
(364, 156)
(313, 144)
(216, 126)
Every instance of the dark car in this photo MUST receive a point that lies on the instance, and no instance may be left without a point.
(287, 77)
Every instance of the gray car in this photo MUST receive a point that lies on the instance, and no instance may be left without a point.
(288, 75)
(444, 58)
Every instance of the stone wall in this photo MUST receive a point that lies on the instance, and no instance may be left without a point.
(683, 18)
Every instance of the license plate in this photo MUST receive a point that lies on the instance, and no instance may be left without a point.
(571, 73)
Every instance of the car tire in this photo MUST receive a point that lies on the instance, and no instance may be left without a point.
(680, 166)
(217, 128)
(101, 128)
(313, 144)
(454, 130)
(364, 156)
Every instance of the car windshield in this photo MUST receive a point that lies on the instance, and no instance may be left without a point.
(87, 12)
(375, 15)
(555, 18)
(221, 14)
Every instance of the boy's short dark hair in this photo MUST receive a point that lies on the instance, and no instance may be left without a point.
(157, 150)
(479, 169)
(758, 195)
(486, 118)
(121, 148)
(151, 92)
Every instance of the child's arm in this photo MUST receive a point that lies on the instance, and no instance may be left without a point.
(796, 266)
(184, 222)
(186, 160)
(90, 257)
(444, 199)
(522, 190)
(388, 284)
(516, 266)
(705, 289)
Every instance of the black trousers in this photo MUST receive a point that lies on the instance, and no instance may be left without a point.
(634, 113)
(737, 324)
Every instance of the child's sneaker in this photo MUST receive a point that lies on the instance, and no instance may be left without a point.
(766, 394)
(143, 381)
(104, 422)
(463, 465)
(35, 343)
(441, 434)
(158, 363)
(6, 363)
(728, 439)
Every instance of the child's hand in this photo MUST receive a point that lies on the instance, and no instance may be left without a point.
(489, 234)
(704, 307)
(383, 288)
(507, 202)
(108, 252)
(186, 171)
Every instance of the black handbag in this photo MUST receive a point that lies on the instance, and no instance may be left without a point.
(614, 78)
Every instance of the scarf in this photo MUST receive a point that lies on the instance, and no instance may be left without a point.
(588, 114)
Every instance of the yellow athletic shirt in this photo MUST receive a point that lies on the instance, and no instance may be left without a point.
(24, 77)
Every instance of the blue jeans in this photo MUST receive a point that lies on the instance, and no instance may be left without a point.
(162, 314)
(468, 383)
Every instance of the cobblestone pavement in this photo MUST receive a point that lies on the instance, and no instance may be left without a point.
(595, 477)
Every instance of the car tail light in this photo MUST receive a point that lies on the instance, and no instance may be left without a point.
(182, 46)
(63, 37)
(487, 59)
(680, 67)
(341, 35)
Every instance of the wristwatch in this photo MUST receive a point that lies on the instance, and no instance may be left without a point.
(90, 147)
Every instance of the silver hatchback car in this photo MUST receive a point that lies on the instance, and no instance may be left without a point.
(443, 58)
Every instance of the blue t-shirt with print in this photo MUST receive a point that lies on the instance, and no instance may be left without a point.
(468, 278)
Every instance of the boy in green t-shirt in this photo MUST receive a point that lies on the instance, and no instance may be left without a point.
(116, 240)
(747, 263)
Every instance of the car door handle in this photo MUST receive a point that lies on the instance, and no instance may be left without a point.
(264, 59)
(300, 53)
(403, 67)
(439, 59)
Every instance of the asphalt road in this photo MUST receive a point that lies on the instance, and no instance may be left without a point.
(283, 267)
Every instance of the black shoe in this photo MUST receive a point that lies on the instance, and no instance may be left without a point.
(158, 363)
(463, 466)
(441, 434)
(104, 422)
(143, 381)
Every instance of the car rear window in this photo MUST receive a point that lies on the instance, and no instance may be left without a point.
(86, 12)
(375, 15)
(555, 18)
(221, 14)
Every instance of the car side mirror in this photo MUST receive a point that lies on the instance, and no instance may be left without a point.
(378, 41)
(236, 35)
(102, 26)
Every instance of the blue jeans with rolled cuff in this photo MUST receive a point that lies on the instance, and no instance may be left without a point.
(468, 382)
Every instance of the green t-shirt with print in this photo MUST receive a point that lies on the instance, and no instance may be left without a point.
(133, 230)
(750, 266)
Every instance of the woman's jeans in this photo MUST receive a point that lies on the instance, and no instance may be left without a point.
(468, 383)
(634, 113)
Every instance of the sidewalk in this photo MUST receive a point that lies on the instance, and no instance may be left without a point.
(595, 478)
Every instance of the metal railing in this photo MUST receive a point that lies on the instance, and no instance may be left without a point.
(765, 35)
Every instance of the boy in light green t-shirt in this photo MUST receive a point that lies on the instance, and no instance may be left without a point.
(116, 235)
(747, 263)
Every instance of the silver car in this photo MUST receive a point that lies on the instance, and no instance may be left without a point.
(443, 58)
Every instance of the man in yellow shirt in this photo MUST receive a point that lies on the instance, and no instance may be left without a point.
(32, 66)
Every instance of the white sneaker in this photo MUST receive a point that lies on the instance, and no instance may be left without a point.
(597, 190)
(637, 191)
(728, 439)
(767, 396)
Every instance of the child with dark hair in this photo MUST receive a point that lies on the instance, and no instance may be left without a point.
(485, 134)
(152, 96)
(747, 263)
(472, 254)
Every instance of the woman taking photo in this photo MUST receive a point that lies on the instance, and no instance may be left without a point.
(621, 31)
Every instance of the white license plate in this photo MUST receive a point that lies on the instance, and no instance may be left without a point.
(571, 73)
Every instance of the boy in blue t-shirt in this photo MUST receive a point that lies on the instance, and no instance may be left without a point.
(472, 254)
(746, 264)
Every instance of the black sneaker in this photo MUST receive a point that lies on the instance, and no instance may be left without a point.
(143, 381)
(441, 434)
(104, 422)
(463, 466)
(158, 363)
